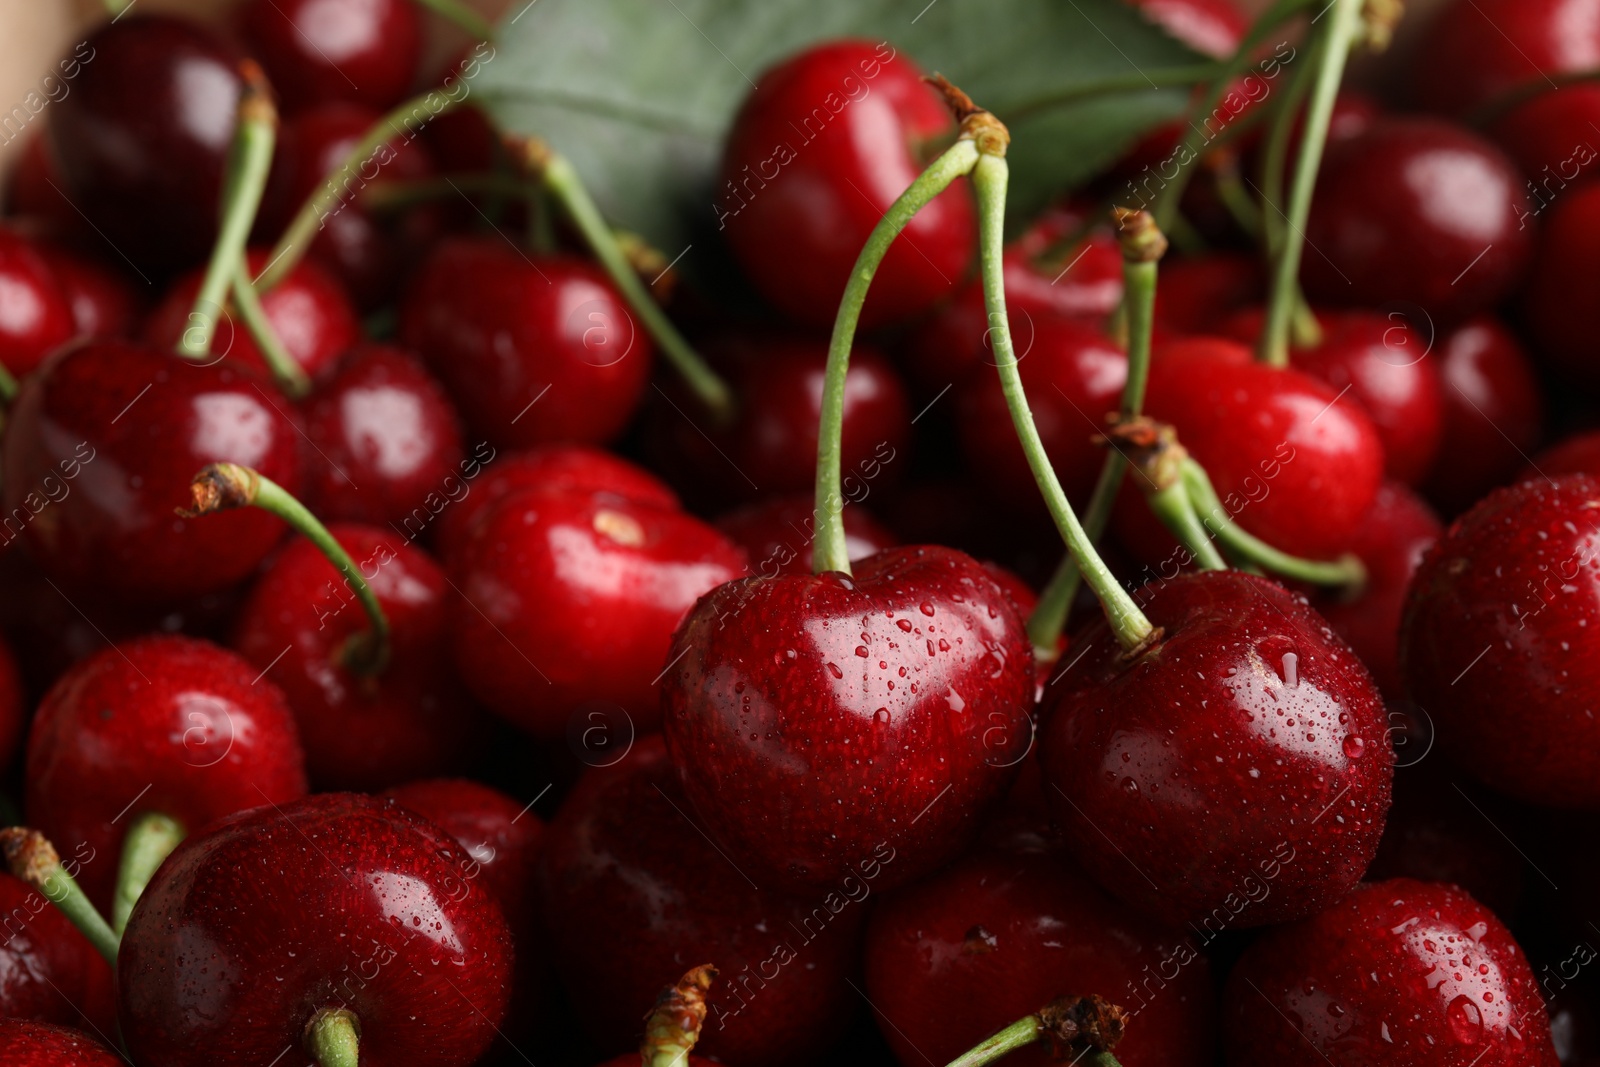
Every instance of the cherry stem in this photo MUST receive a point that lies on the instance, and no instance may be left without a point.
(249, 160)
(1175, 508)
(117, 8)
(225, 486)
(31, 858)
(559, 178)
(403, 123)
(1080, 1030)
(1347, 571)
(333, 1038)
(463, 16)
(1244, 211)
(829, 550)
(673, 1025)
(1019, 1034)
(8, 385)
(150, 840)
(290, 376)
(1332, 52)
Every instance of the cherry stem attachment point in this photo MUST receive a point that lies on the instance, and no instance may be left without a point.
(225, 486)
(290, 376)
(150, 840)
(31, 858)
(673, 1026)
(1080, 1030)
(1347, 571)
(333, 1038)
(463, 16)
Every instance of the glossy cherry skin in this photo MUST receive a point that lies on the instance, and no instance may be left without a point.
(1577, 454)
(1420, 212)
(778, 533)
(48, 971)
(500, 328)
(1401, 973)
(1565, 267)
(337, 900)
(36, 1044)
(1478, 51)
(35, 311)
(1516, 580)
(886, 710)
(143, 136)
(385, 437)
(801, 191)
(962, 954)
(165, 724)
(309, 310)
(317, 50)
(1237, 772)
(1211, 27)
(569, 600)
(125, 427)
(103, 300)
(631, 893)
(1550, 139)
(1197, 294)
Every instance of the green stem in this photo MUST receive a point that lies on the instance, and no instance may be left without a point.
(1346, 571)
(1244, 211)
(116, 8)
(463, 16)
(334, 1039)
(829, 550)
(8, 385)
(150, 840)
(392, 195)
(990, 176)
(32, 859)
(225, 486)
(672, 1028)
(290, 376)
(1341, 31)
(1275, 157)
(1173, 506)
(249, 160)
(1019, 1034)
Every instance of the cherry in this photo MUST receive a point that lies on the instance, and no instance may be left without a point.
(161, 724)
(13, 710)
(1479, 51)
(35, 311)
(1550, 138)
(48, 971)
(317, 50)
(1405, 973)
(34, 192)
(102, 299)
(1420, 212)
(802, 188)
(776, 534)
(308, 310)
(36, 1044)
(501, 330)
(123, 427)
(1211, 27)
(337, 901)
(1007, 929)
(143, 137)
(631, 891)
(568, 600)
(1236, 772)
(1575, 454)
(387, 438)
(1196, 295)
(1566, 266)
(1502, 606)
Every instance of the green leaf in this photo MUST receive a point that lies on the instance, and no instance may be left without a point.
(639, 94)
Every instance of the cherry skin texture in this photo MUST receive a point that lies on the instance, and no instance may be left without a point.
(1238, 772)
(1550, 139)
(1577, 454)
(164, 724)
(35, 312)
(143, 136)
(115, 432)
(1478, 51)
(317, 50)
(799, 196)
(569, 601)
(386, 438)
(1515, 578)
(1404, 212)
(48, 971)
(777, 534)
(499, 330)
(337, 900)
(1400, 973)
(102, 299)
(37, 1044)
(631, 894)
(885, 710)
(1566, 267)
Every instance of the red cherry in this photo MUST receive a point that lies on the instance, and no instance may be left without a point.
(337, 900)
(308, 309)
(1197, 294)
(158, 724)
(1417, 211)
(35, 1044)
(880, 711)
(1566, 267)
(502, 330)
(1550, 138)
(1211, 27)
(631, 890)
(819, 150)
(35, 311)
(386, 439)
(1480, 50)
(34, 191)
(1577, 454)
(115, 431)
(48, 971)
(319, 50)
(13, 710)
(569, 600)
(777, 533)
(102, 299)
(1496, 638)
(1237, 772)
(1452, 986)
(1007, 930)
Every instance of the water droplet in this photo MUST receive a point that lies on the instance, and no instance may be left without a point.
(904, 624)
(881, 716)
(861, 650)
(927, 608)
(1130, 787)
(833, 668)
(1465, 1019)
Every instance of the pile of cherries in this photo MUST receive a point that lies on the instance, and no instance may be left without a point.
(402, 665)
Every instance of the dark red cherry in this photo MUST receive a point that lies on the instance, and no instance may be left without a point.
(143, 136)
(1480, 50)
(36, 1044)
(1010, 928)
(1237, 771)
(385, 438)
(1577, 454)
(337, 900)
(1211, 27)
(14, 712)
(1403, 973)
(777, 533)
(309, 310)
(1496, 640)
(884, 710)
(1550, 139)
(1565, 268)
(533, 349)
(1420, 212)
(631, 890)
(35, 312)
(568, 600)
(115, 431)
(318, 50)
(827, 140)
(35, 191)
(158, 724)
(102, 298)
(1197, 294)
(48, 971)
(410, 720)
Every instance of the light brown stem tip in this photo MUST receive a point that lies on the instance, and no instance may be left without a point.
(977, 124)
(1076, 1026)
(221, 487)
(29, 855)
(1141, 239)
